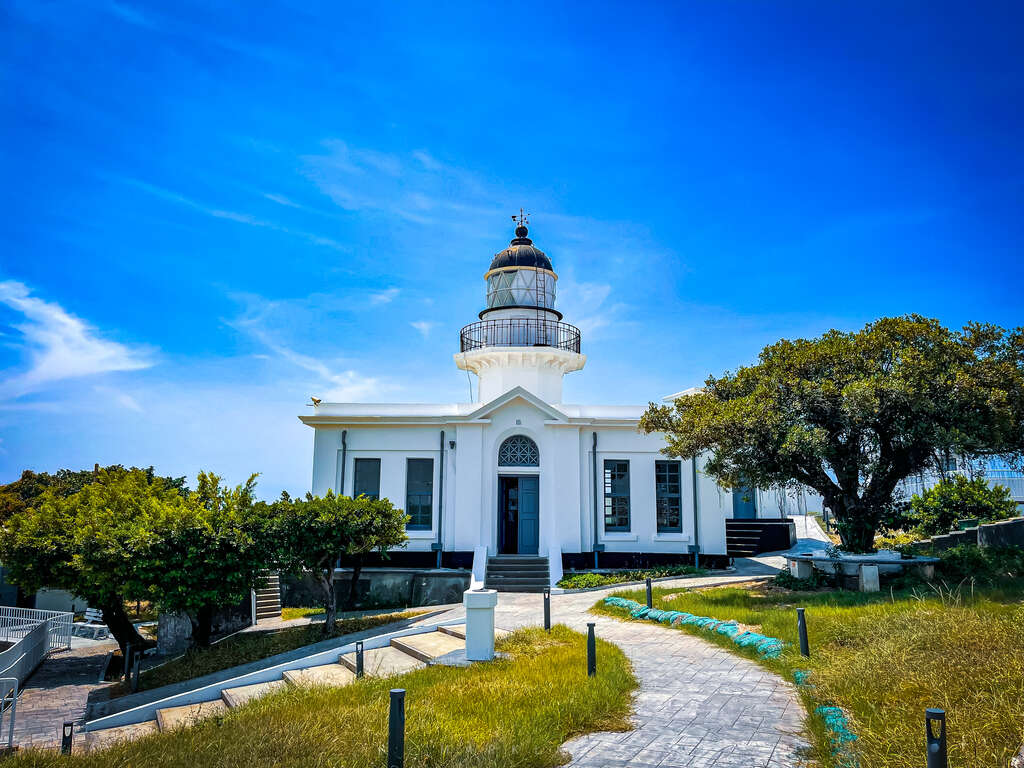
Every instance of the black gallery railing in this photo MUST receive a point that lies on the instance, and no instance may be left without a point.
(520, 332)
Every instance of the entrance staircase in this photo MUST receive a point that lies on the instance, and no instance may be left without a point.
(404, 654)
(517, 573)
(742, 539)
(268, 599)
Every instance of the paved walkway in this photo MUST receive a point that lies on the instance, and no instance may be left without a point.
(58, 691)
(699, 706)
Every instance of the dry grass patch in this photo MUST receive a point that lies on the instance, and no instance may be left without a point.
(885, 658)
(515, 711)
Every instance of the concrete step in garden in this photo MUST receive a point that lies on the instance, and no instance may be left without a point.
(429, 645)
(459, 630)
(236, 697)
(383, 662)
(95, 740)
(189, 714)
(334, 675)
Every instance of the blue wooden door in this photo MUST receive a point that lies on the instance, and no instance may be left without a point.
(744, 503)
(529, 516)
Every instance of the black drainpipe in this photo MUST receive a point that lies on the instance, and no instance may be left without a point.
(593, 458)
(440, 501)
(344, 453)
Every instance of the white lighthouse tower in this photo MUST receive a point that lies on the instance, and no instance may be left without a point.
(520, 339)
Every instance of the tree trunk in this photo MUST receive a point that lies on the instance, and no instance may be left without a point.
(353, 587)
(856, 523)
(121, 627)
(202, 626)
(330, 598)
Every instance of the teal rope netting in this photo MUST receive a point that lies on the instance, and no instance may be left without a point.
(766, 647)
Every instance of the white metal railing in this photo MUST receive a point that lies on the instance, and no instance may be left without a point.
(1014, 481)
(32, 636)
(8, 707)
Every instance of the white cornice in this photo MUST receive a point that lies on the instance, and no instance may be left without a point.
(478, 360)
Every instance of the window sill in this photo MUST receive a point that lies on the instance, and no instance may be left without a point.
(421, 534)
(619, 536)
(670, 537)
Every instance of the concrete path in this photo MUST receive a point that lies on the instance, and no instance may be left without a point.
(698, 706)
(809, 536)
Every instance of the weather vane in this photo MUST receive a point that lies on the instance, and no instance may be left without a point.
(522, 218)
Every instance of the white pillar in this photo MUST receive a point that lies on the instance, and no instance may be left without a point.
(480, 605)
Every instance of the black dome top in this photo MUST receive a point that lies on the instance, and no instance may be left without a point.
(521, 253)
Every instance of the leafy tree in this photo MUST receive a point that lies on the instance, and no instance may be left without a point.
(89, 542)
(315, 531)
(936, 511)
(207, 553)
(852, 414)
(23, 492)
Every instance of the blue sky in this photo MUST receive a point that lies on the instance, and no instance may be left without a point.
(212, 211)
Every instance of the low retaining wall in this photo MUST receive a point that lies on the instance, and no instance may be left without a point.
(383, 588)
(1005, 533)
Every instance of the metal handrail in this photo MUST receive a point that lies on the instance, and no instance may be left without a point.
(33, 636)
(520, 332)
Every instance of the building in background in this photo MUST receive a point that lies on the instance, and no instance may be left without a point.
(519, 472)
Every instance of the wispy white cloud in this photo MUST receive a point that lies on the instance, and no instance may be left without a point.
(423, 326)
(241, 218)
(281, 200)
(60, 346)
(122, 399)
(268, 322)
(384, 297)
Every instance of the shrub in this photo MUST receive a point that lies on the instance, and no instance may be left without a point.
(787, 580)
(590, 579)
(990, 565)
(937, 509)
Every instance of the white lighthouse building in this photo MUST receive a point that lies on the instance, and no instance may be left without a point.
(521, 474)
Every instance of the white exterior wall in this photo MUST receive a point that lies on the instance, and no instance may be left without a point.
(566, 498)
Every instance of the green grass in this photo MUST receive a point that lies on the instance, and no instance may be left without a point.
(589, 579)
(510, 712)
(251, 646)
(885, 658)
(287, 614)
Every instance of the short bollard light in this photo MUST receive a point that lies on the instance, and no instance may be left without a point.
(591, 650)
(650, 594)
(547, 609)
(396, 729)
(801, 628)
(136, 672)
(126, 661)
(936, 741)
(66, 736)
(359, 658)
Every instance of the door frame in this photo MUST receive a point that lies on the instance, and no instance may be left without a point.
(499, 503)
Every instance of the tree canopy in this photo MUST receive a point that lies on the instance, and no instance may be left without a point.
(89, 542)
(313, 532)
(851, 414)
(207, 552)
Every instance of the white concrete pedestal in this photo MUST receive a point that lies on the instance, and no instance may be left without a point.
(480, 605)
(868, 578)
(801, 569)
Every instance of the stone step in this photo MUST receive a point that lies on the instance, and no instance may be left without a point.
(383, 662)
(516, 587)
(334, 675)
(541, 581)
(429, 645)
(236, 697)
(95, 740)
(517, 560)
(459, 630)
(512, 567)
(170, 718)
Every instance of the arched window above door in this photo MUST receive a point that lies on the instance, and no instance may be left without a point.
(518, 451)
